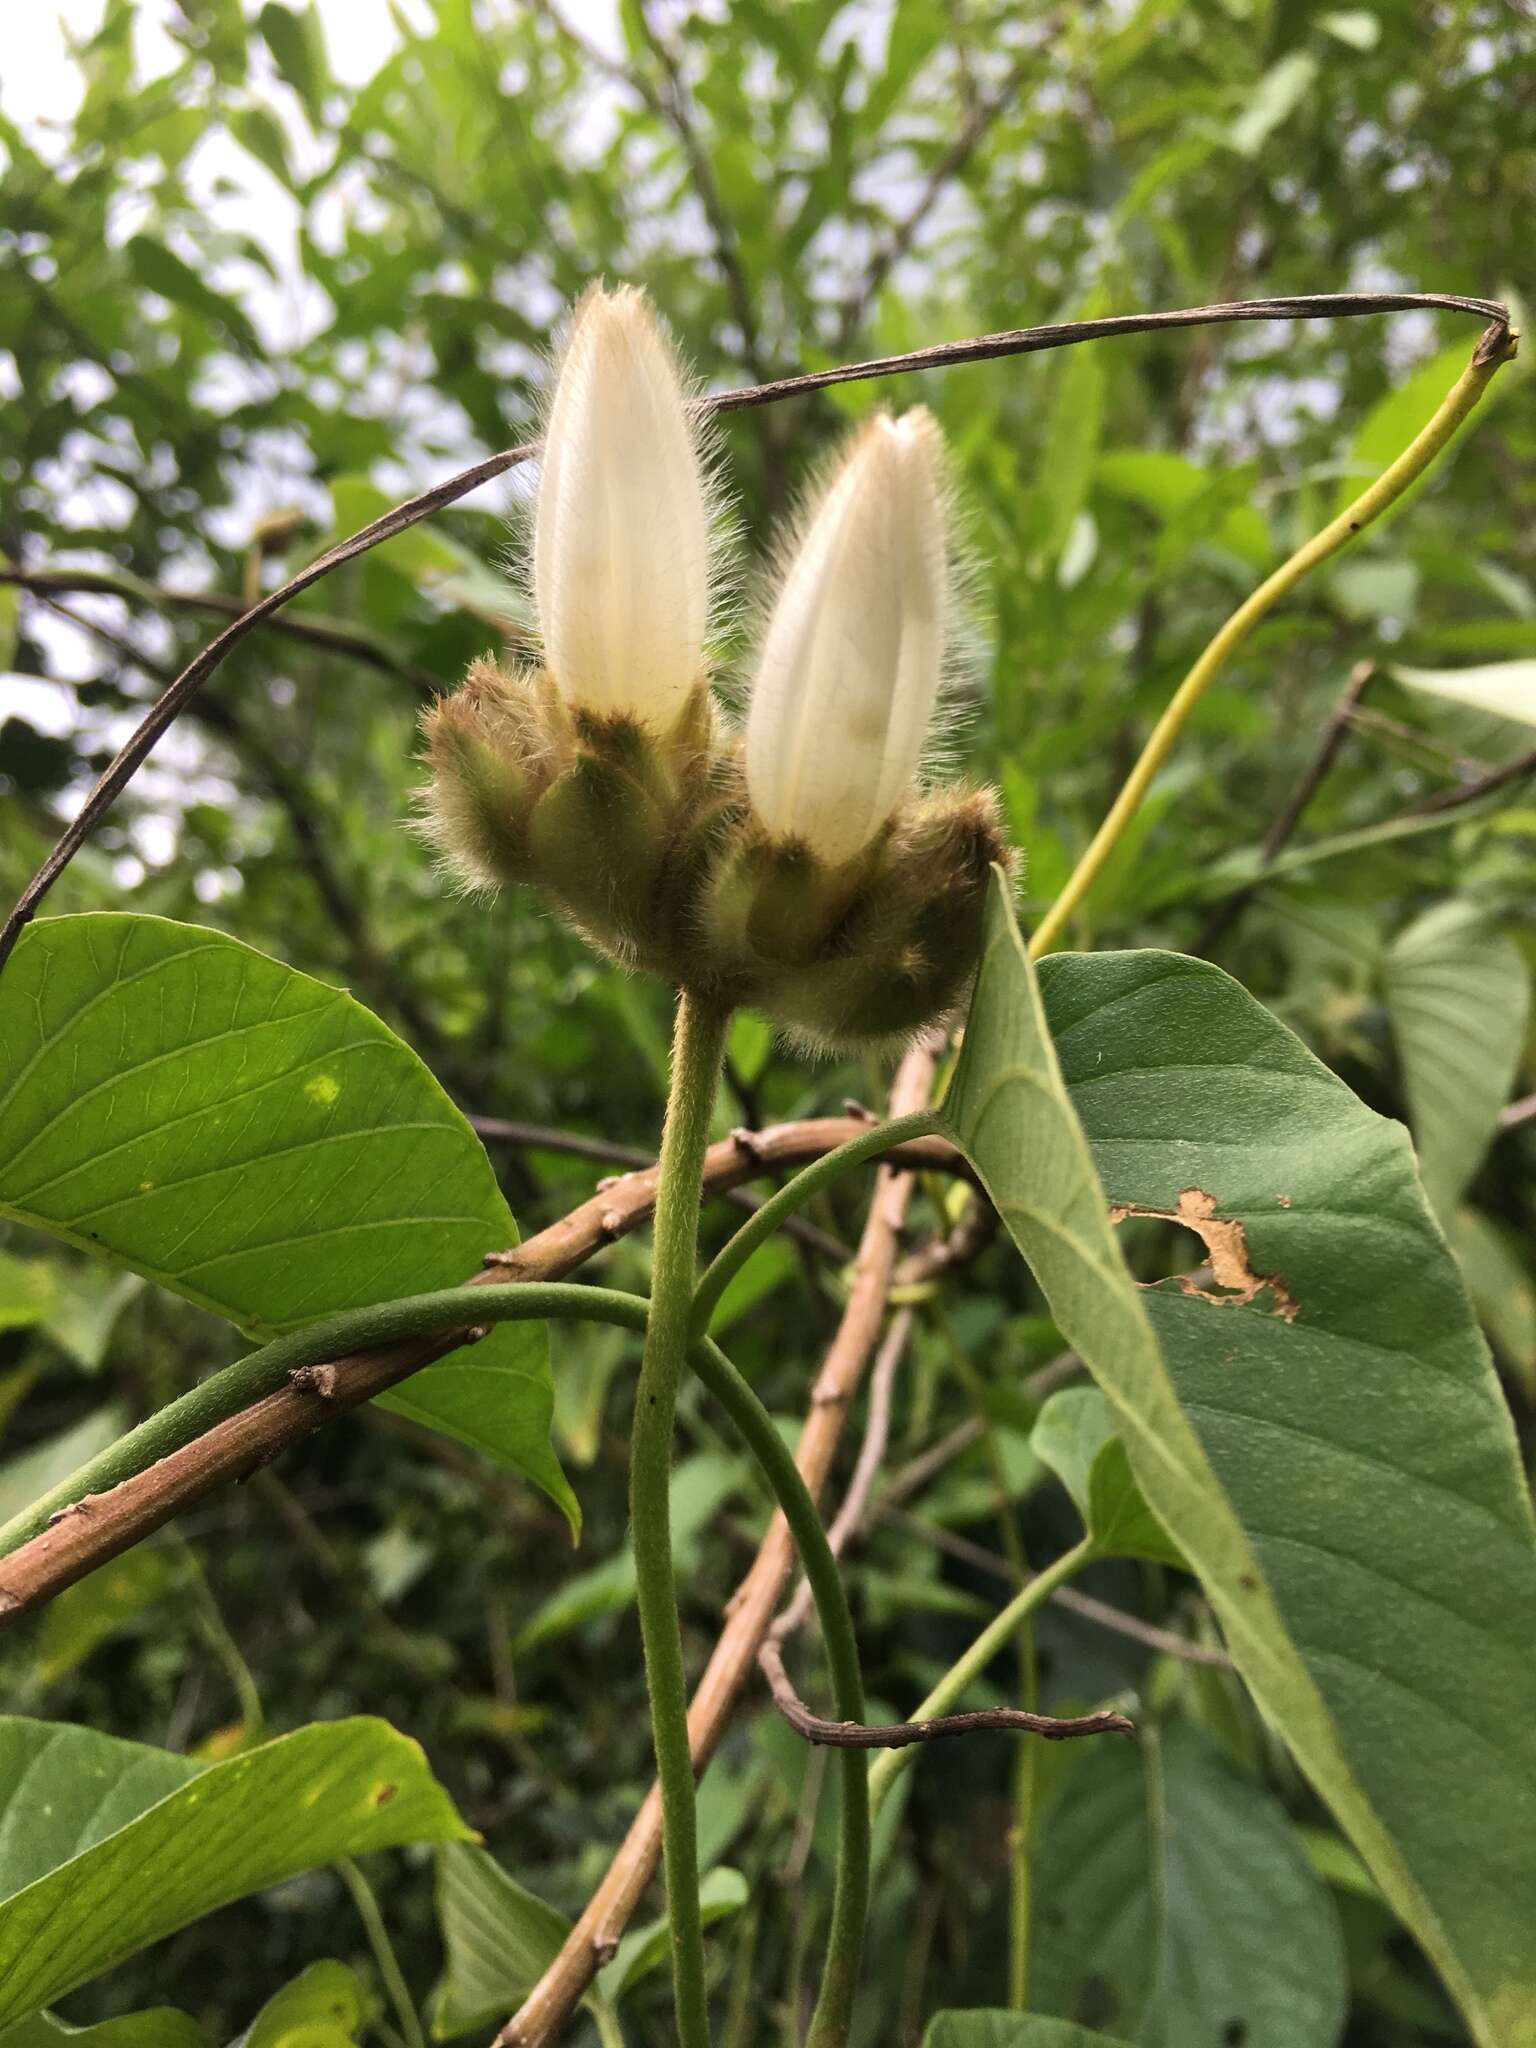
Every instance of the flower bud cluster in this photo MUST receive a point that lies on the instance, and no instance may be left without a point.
(797, 867)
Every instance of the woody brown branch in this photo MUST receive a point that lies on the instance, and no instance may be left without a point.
(106, 1524)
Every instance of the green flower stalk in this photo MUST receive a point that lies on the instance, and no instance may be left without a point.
(798, 868)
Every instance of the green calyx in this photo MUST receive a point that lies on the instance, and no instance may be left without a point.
(646, 841)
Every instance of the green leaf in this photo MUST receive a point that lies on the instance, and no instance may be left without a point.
(1275, 98)
(699, 1487)
(158, 2028)
(298, 50)
(1180, 1900)
(1329, 1448)
(1393, 422)
(1497, 1271)
(1009, 2030)
(644, 1949)
(28, 1291)
(323, 2008)
(107, 1846)
(86, 1614)
(259, 1143)
(1507, 688)
(1071, 450)
(160, 270)
(498, 1940)
(1458, 995)
(1075, 1436)
(39, 1469)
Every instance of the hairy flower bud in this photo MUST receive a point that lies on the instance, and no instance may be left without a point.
(850, 663)
(621, 540)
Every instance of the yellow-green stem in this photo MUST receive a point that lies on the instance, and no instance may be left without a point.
(969, 1666)
(697, 1046)
(1496, 348)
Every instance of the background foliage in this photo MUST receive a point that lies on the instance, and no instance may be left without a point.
(248, 297)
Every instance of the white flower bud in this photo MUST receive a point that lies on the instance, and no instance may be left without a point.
(851, 660)
(621, 529)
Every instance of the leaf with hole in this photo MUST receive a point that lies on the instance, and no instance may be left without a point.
(1327, 1445)
(106, 1846)
(259, 1143)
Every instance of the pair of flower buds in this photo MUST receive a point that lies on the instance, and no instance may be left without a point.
(795, 866)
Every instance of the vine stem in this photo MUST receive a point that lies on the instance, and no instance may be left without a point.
(795, 1193)
(698, 1046)
(1496, 348)
(998, 1632)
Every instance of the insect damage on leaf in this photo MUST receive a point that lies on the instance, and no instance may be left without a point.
(1235, 1284)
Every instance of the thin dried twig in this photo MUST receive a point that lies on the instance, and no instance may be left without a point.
(903, 1734)
(1084, 1604)
(1015, 341)
(356, 643)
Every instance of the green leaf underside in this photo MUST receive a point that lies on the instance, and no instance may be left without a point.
(106, 1846)
(258, 1143)
(1343, 1479)
(1174, 1893)
(1009, 2030)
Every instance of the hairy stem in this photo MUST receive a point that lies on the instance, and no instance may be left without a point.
(850, 1897)
(262, 1372)
(975, 1660)
(1496, 347)
(698, 1044)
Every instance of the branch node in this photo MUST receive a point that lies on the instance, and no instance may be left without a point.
(72, 1508)
(749, 1143)
(323, 1381)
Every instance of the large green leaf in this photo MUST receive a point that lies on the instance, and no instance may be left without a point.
(1174, 1894)
(259, 1143)
(1009, 2030)
(1326, 1441)
(106, 1846)
(498, 1940)
(1458, 995)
